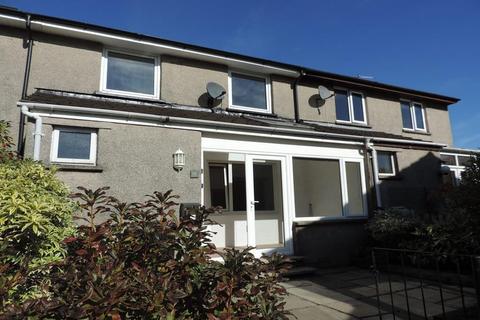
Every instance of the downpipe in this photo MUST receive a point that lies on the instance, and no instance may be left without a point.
(37, 135)
(376, 179)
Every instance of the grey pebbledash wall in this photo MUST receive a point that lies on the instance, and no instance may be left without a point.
(134, 160)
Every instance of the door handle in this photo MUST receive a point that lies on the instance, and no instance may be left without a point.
(254, 202)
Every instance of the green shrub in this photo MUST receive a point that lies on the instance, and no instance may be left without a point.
(145, 263)
(392, 227)
(35, 217)
(6, 143)
(454, 230)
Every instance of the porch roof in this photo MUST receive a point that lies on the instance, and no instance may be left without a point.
(162, 108)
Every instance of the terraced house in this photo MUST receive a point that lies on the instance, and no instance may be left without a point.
(297, 158)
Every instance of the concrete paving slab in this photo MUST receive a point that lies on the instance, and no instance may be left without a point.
(320, 313)
(295, 302)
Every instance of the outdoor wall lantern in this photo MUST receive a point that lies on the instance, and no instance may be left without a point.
(178, 160)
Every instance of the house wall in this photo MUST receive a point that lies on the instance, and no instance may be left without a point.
(65, 64)
(75, 65)
(12, 62)
(136, 160)
(417, 182)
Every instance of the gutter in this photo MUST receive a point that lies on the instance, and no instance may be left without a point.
(38, 131)
(357, 140)
(26, 78)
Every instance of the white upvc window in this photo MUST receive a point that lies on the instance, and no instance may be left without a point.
(72, 145)
(130, 74)
(350, 106)
(386, 163)
(413, 116)
(249, 92)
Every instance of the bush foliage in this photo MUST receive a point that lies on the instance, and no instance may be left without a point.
(454, 230)
(145, 263)
(35, 218)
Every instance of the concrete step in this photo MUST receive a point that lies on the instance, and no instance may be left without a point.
(296, 259)
(300, 271)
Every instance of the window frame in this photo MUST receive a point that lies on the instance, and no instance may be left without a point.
(104, 71)
(345, 212)
(413, 117)
(393, 157)
(350, 107)
(92, 160)
(268, 93)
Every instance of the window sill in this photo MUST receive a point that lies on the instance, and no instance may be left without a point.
(76, 167)
(353, 124)
(127, 96)
(426, 133)
(330, 220)
(257, 113)
(394, 177)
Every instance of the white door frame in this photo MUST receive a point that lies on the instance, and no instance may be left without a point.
(249, 178)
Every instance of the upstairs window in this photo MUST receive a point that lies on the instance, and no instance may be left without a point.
(249, 92)
(130, 74)
(386, 163)
(74, 145)
(350, 106)
(413, 116)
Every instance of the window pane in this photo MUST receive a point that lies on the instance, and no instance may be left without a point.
(248, 91)
(130, 73)
(419, 116)
(238, 187)
(354, 187)
(406, 115)
(317, 187)
(357, 101)
(448, 159)
(384, 160)
(464, 160)
(218, 186)
(263, 186)
(341, 105)
(74, 145)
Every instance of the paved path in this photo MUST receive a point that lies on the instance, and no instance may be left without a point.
(350, 293)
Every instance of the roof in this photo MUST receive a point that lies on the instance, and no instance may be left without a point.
(219, 116)
(310, 72)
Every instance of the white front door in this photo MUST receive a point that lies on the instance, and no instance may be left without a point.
(267, 203)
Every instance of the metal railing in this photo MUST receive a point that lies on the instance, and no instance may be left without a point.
(423, 285)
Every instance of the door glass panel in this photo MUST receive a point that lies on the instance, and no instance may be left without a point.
(318, 191)
(354, 189)
(238, 187)
(267, 180)
(263, 186)
(218, 186)
(225, 186)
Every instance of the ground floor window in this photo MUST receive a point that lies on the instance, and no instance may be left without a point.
(327, 188)
(74, 145)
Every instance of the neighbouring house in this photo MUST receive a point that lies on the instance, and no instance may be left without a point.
(298, 158)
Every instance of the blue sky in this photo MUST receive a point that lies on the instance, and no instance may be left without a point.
(426, 45)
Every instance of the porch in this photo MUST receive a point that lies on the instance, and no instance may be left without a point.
(274, 195)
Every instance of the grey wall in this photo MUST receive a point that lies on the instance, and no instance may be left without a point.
(75, 65)
(417, 182)
(12, 63)
(136, 160)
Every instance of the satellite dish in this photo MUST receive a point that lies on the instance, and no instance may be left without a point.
(324, 93)
(215, 91)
